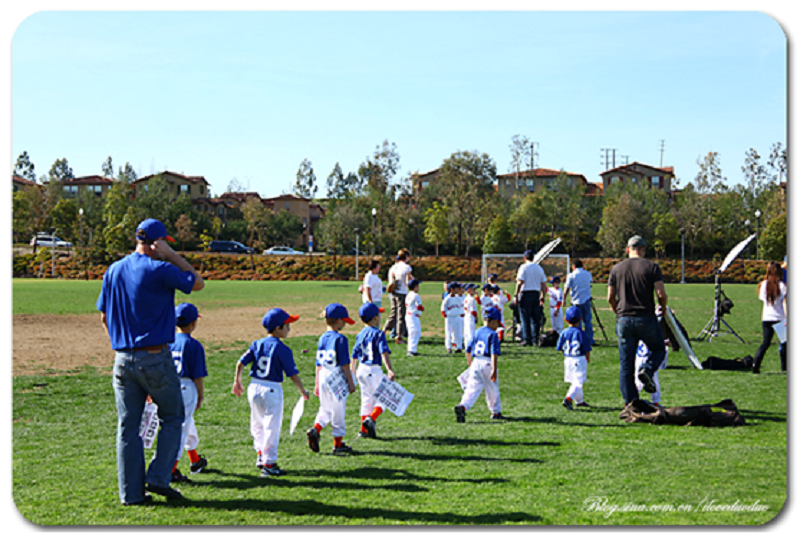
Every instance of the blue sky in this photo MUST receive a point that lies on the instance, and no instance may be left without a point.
(249, 95)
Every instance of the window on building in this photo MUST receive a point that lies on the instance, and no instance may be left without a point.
(184, 188)
(202, 189)
(97, 190)
(287, 205)
(70, 192)
(529, 183)
(655, 181)
(614, 179)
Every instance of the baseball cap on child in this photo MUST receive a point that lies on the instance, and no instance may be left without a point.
(185, 313)
(152, 230)
(555, 279)
(573, 315)
(487, 286)
(335, 311)
(413, 283)
(453, 286)
(492, 313)
(275, 317)
(367, 311)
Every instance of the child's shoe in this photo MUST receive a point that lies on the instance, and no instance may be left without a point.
(342, 449)
(313, 439)
(461, 414)
(272, 470)
(369, 425)
(567, 403)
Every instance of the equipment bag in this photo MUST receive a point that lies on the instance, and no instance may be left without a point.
(548, 339)
(718, 363)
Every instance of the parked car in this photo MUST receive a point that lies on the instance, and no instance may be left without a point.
(220, 246)
(282, 250)
(42, 239)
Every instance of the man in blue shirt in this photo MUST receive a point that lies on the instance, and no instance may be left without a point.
(137, 308)
(579, 282)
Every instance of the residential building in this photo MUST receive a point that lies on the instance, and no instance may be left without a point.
(20, 183)
(530, 181)
(73, 188)
(639, 173)
(194, 186)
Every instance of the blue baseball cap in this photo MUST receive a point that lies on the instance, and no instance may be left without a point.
(367, 311)
(275, 317)
(492, 313)
(487, 286)
(413, 283)
(470, 286)
(152, 230)
(573, 315)
(335, 311)
(185, 313)
(492, 275)
(555, 279)
(453, 286)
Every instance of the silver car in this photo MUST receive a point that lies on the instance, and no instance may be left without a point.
(279, 250)
(47, 240)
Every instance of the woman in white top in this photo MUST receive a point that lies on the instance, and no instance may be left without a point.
(400, 273)
(372, 288)
(772, 291)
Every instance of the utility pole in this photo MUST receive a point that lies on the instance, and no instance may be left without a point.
(613, 158)
(534, 154)
(661, 150)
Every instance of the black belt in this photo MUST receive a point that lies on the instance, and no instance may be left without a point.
(150, 349)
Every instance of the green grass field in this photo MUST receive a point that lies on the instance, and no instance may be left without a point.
(544, 465)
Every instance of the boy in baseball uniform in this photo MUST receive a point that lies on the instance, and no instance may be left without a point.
(500, 298)
(470, 313)
(453, 314)
(556, 304)
(486, 301)
(369, 352)
(333, 371)
(269, 360)
(576, 347)
(190, 363)
(414, 311)
(482, 356)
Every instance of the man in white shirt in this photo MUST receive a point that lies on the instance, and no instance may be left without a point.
(529, 295)
(400, 272)
(372, 287)
(579, 282)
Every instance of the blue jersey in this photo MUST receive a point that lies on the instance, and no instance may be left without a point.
(370, 346)
(485, 343)
(138, 298)
(189, 357)
(270, 359)
(573, 342)
(333, 351)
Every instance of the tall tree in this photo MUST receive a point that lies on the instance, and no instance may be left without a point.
(126, 173)
(24, 167)
(119, 219)
(521, 158)
(184, 231)
(306, 182)
(437, 226)
(498, 236)
(527, 218)
(108, 168)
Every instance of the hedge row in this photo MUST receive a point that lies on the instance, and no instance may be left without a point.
(323, 268)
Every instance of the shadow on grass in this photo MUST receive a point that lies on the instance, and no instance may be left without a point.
(331, 512)
(528, 419)
(425, 457)
(763, 415)
(390, 473)
(453, 441)
(331, 482)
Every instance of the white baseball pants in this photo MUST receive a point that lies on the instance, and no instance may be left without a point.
(331, 411)
(266, 417)
(414, 328)
(469, 329)
(369, 377)
(454, 332)
(656, 396)
(575, 375)
(189, 437)
(557, 319)
(479, 379)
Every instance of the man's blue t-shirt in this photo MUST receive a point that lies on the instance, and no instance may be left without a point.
(138, 298)
(270, 359)
(485, 343)
(370, 346)
(189, 357)
(573, 342)
(333, 350)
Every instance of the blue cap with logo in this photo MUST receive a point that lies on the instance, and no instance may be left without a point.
(335, 311)
(367, 311)
(573, 315)
(492, 313)
(275, 317)
(185, 313)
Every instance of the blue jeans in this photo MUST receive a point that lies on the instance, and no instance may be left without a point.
(138, 374)
(530, 315)
(586, 319)
(630, 330)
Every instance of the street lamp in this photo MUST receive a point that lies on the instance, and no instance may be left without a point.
(374, 213)
(357, 231)
(758, 217)
(683, 256)
(747, 224)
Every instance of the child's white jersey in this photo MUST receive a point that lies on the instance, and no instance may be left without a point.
(453, 306)
(413, 304)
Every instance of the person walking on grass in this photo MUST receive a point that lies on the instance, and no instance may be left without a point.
(399, 277)
(631, 285)
(772, 292)
(137, 309)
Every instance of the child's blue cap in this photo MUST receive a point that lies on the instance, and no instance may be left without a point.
(367, 311)
(573, 315)
(555, 279)
(492, 275)
(185, 313)
(487, 286)
(275, 317)
(413, 283)
(453, 286)
(492, 313)
(335, 311)
(470, 286)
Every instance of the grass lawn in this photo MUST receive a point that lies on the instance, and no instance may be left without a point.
(544, 465)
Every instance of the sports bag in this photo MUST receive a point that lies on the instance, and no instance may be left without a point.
(548, 339)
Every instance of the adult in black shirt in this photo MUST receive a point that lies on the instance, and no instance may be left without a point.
(631, 285)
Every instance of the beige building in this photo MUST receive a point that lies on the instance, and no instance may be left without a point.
(639, 173)
(22, 183)
(97, 185)
(194, 186)
(533, 180)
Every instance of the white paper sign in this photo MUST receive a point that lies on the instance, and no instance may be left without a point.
(337, 382)
(148, 428)
(780, 330)
(463, 379)
(297, 413)
(393, 396)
